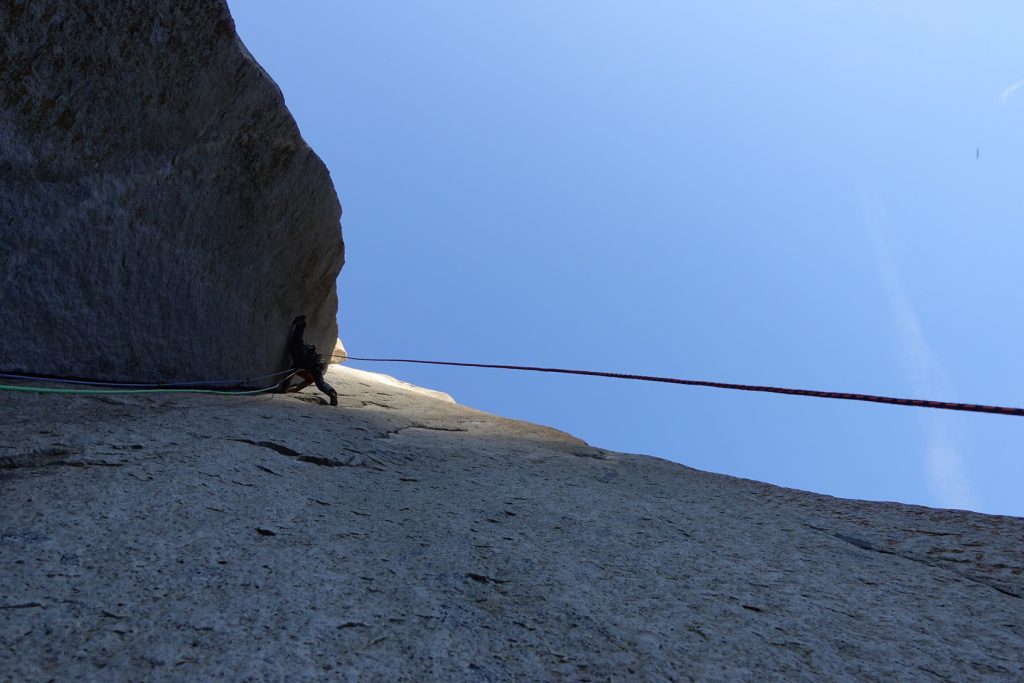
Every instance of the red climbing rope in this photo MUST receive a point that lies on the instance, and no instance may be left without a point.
(918, 403)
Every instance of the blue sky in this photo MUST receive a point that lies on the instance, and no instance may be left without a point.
(801, 193)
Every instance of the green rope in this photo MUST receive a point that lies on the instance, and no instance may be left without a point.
(41, 390)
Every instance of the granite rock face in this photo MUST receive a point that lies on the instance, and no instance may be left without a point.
(402, 537)
(161, 218)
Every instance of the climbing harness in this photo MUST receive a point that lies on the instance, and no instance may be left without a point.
(918, 403)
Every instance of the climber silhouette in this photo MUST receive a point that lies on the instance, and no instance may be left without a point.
(307, 362)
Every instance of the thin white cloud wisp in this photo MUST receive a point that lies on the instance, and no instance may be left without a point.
(1010, 90)
(945, 470)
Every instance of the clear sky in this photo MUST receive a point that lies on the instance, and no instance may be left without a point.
(807, 193)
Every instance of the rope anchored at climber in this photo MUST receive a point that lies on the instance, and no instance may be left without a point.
(308, 363)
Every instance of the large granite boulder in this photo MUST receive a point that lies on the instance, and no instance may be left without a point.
(160, 216)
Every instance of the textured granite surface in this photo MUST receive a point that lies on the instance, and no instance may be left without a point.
(403, 537)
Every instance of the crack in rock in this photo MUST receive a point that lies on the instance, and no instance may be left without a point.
(863, 545)
(866, 545)
(481, 578)
(39, 457)
(59, 463)
(322, 462)
(310, 459)
(51, 456)
(272, 445)
(399, 430)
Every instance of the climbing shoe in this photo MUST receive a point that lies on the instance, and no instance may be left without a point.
(334, 399)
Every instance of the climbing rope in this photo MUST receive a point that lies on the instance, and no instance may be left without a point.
(133, 388)
(123, 387)
(149, 385)
(86, 392)
(918, 403)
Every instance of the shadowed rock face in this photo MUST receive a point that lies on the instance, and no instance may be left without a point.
(160, 216)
